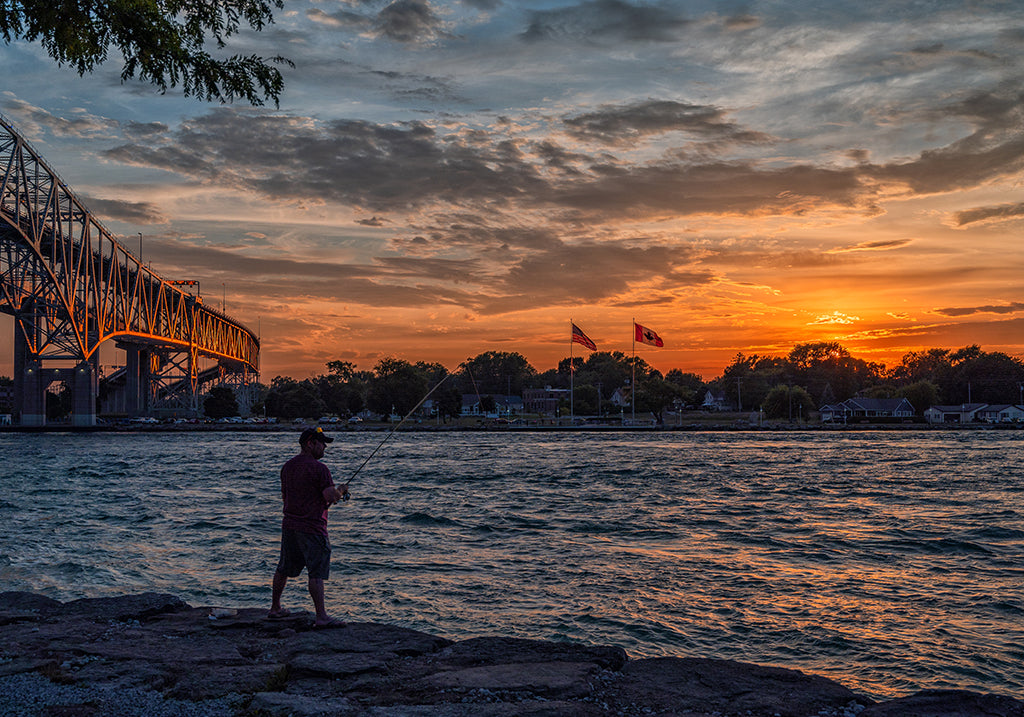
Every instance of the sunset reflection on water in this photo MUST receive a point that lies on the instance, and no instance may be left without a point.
(886, 561)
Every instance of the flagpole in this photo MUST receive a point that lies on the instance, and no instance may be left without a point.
(572, 376)
(632, 385)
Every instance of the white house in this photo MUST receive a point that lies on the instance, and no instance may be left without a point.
(621, 397)
(716, 401)
(962, 413)
(1001, 413)
(854, 408)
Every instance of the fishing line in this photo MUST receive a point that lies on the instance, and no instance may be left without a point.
(393, 429)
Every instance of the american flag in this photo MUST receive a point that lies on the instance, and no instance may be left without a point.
(581, 338)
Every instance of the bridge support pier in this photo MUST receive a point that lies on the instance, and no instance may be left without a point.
(29, 390)
(137, 388)
(84, 387)
(32, 379)
(32, 407)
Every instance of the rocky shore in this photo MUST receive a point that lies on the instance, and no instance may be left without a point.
(155, 655)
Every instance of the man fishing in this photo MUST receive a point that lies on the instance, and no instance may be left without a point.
(307, 490)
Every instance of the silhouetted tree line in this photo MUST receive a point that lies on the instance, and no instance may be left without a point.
(829, 374)
(811, 375)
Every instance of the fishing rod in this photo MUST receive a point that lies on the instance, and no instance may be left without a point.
(393, 429)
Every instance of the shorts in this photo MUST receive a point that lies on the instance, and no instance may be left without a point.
(304, 550)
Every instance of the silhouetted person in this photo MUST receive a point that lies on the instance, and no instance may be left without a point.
(307, 490)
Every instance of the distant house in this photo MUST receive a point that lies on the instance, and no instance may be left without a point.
(1001, 413)
(544, 400)
(716, 401)
(866, 408)
(835, 413)
(503, 405)
(622, 397)
(961, 413)
(971, 412)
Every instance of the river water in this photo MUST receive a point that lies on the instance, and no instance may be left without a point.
(891, 561)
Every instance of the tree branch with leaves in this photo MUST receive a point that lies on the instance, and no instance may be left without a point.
(163, 42)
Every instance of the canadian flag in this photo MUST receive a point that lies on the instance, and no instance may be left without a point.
(646, 336)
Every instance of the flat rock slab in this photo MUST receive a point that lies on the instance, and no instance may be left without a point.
(698, 686)
(508, 650)
(568, 680)
(335, 666)
(281, 704)
(368, 637)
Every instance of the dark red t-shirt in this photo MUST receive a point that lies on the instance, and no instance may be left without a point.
(303, 480)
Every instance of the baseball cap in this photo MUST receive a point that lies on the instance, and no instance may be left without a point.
(311, 433)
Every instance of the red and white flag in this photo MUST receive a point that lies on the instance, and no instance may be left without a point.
(645, 336)
(581, 338)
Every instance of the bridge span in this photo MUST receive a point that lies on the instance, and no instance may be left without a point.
(71, 286)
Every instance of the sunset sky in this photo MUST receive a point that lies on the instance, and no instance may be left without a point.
(447, 178)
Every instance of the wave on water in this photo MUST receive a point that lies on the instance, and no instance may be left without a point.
(426, 519)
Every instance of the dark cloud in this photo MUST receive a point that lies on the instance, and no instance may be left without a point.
(132, 212)
(405, 21)
(372, 222)
(1010, 308)
(376, 167)
(965, 164)
(994, 150)
(736, 23)
(1003, 211)
(149, 131)
(409, 21)
(405, 283)
(588, 272)
(982, 214)
(874, 245)
(341, 18)
(714, 188)
(625, 123)
(467, 230)
(606, 20)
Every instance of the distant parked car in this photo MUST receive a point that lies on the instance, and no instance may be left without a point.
(355, 419)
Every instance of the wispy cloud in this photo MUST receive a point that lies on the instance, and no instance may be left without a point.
(1011, 308)
(987, 214)
(836, 317)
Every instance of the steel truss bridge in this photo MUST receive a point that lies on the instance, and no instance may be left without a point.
(71, 286)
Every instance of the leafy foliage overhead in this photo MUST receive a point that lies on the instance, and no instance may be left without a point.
(162, 41)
